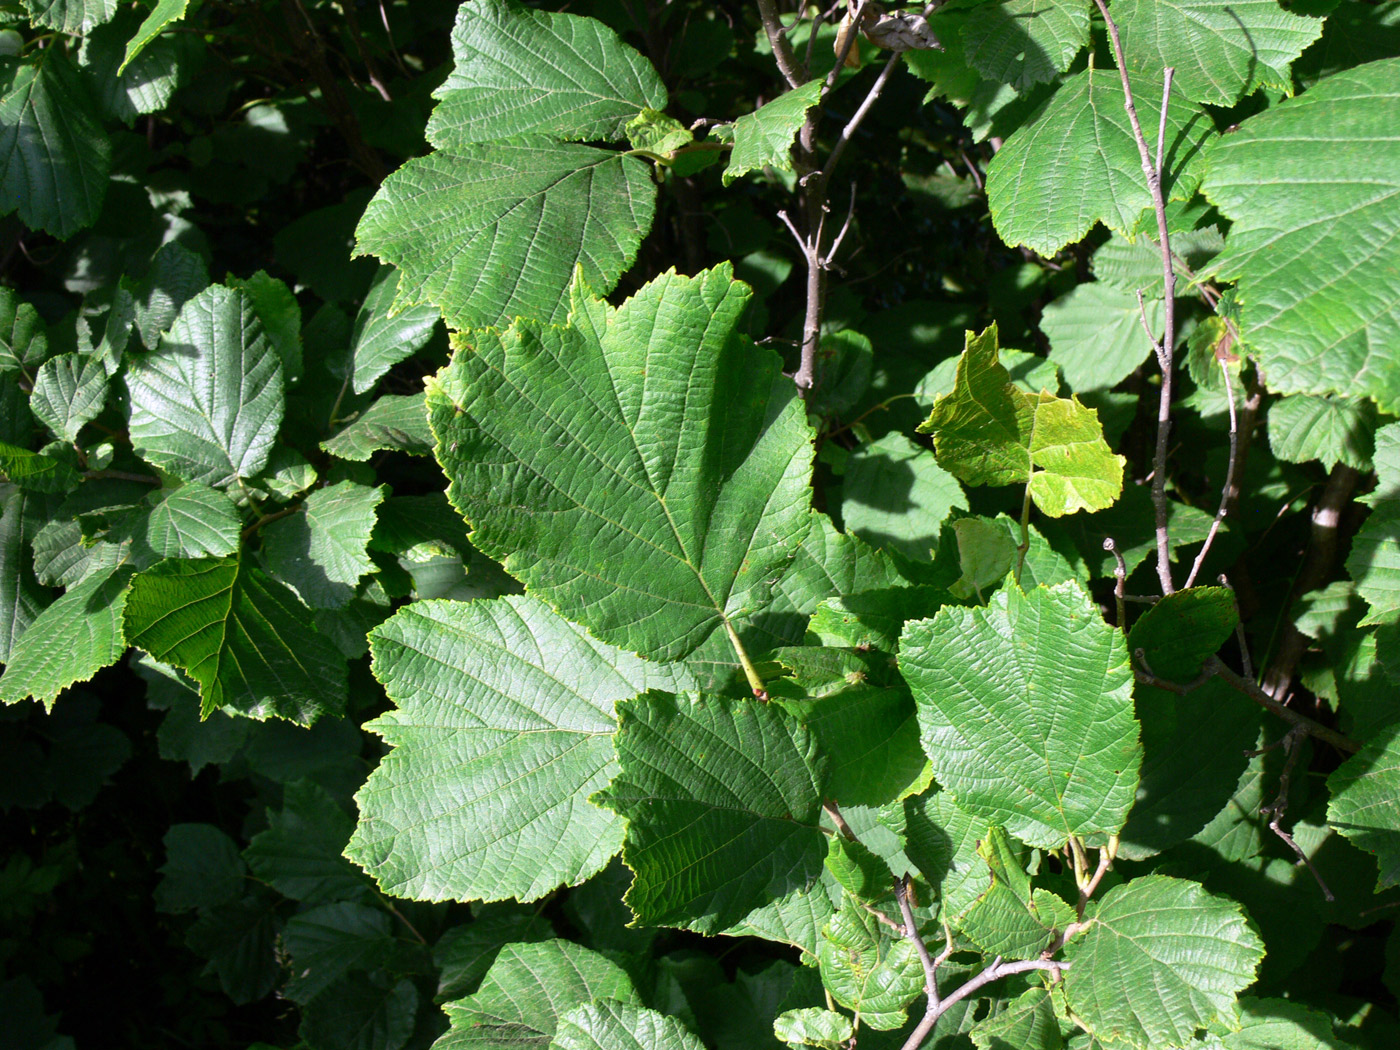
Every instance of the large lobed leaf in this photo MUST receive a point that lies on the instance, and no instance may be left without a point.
(1077, 163)
(490, 232)
(519, 72)
(1313, 187)
(722, 799)
(504, 720)
(990, 432)
(643, 467)
(1221, 49)
(1026, 713)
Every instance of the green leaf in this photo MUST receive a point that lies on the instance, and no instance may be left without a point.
(942, 841)
(1077, 163)
(21, 598)
(1311, 186)
(868, 969)
(894, 494)
(985, 555)
(1026, 712)
(24, 342)
(1162, 958)
(657, 133)
(1387, 463)
(47, 470)
(723, 800)
(764, 137)
(320, 551)
(383, 338)
(202, 869)
(241, 635)
(487, 233)
(192, 521)
(206, 404)
(1364, 789)
(176, 275)
(63, 556)
(395, 422)
(858, 870)
(1221, 50)
(813, 1026)
(645, 467)
(237, 939)
(796, 918)
(608, 1024)
(1137, 265)
(299, 854)
(504, 720)
(1280, 1024)
(1010, 919)
(69, 392)
(163, 14)
(1027, 1023)
(522, 72)
(525, 993)
(147, 87)
(1181, 631)
(1025, 42)
(70, 641)
(361, 1011)
(1329, 429)
(1374, 563)
(1096, 335)
(465, 952)
(990, 432)
(277, 308)
(70, 16)
(54, 155)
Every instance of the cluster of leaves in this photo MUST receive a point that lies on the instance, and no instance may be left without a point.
(628, 689)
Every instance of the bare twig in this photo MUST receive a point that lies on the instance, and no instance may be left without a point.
(1239, 628)
(1229, 485)
(911, 932)
(1120, 579)
(1106, 855)
(1276, 809)
(782, 50)
(995, 972)
(839, 821)
(1153, 171)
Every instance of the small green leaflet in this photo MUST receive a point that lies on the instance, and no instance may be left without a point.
(1312, 186)
(299, 852)
(504, 719)
(894, 494)
(54, 154)
(1025, 708)
(764, 137)
(608, 1024)
(191, 521)
(146, 87)
(1096, 335)
(722, 799)
(1027, 1023)
(321, 549)
(207, 403)
(1363, 808)
(1330, 429)
(1221, 49)
(490, 232)
(867, 968)
(328, 941)
(644, 467)
(70, 16)
(383, 338)
(1161, 959)
(69, 392)
(990, 432)
(525, 993)
(163, 14)
(1025, 42)
(518, 71)
(202, 869)
(70, 641)
(24, 343)
(397, 422)
(813, 1026)
(22, 515)
(1077, 163)
(240, 634)
(1010, 919)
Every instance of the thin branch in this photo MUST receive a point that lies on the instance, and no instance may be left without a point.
(1153, 172)
(844, 139)
(1229, 485)
(1276, 809)
(836, 818)
(841, 236)
(1120, 579)
(1106, 855)
(911, 932)
(782, 49)
(1239, 627)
